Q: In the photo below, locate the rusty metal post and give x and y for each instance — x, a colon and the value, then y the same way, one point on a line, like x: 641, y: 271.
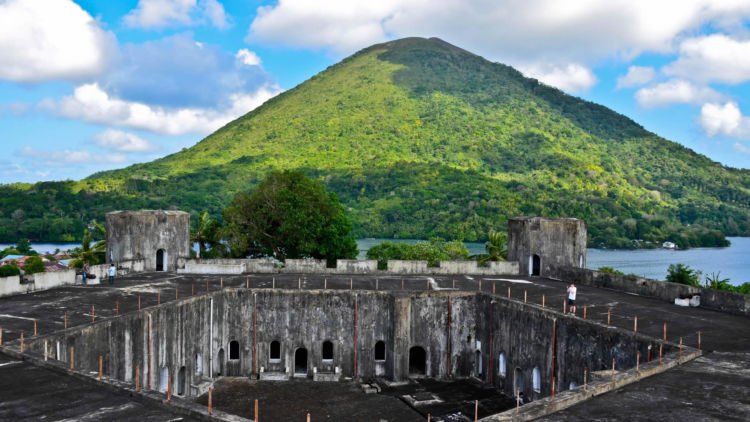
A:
x: 256, y: 418
x: 176, y: 293
x: 72, y: 358
x: 476, y: 410
x: 609, y: 316
x: 525, y: 296
x: 158, y: 298
x: 137, y: 384
x: 680, y: 355
x: 635, y: 324
x: 34, y: 328
x: 699, y: 340
x: 308, y: 417
x: 661, y: 346
x: 101, y: 367
x: 93, y: 313
x: 585, y: 378
x: 169, y: 387
x: 351, y: 284
x: 325, y: 284
x: 21, y: 341
x: 210, y: 400
x: 117, y: 307
x: 65, y: 320
x: 1, y: 336
x: 543, y: 301
x: 613, y: 369
x: 584, y: 311
x: 665, y: 331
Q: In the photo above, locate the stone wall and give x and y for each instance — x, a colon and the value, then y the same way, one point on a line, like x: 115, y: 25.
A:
x: 734, y: 303
x: 354, y: 266
x: 148, y: 235
x: 407, y: 267
x: 538, y: 243
x: 461, y: 334
x: 305, y: 266
x: 11, y: 286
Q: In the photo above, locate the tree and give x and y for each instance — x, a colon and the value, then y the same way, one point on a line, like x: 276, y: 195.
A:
x: 496, y: 245
x: 208, y: 237
x: 34, y: 265
x: 681, y: 273
x: 93, y: 254
x: 23, y: 246
x: 10, y: 269
x: 289, y: 216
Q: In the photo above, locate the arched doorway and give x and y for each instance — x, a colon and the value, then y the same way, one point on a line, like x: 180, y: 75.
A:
x: 536, y: 380
x: 417, y: 361
x: 478, y: 364
x: 535, y: 265
x: 300, y: 361
x: 163, y: 379
x: 160, y: 260
x: 221, y: 363
x: 518, y: 383
x: 234, y: 365
x: 181, y: 381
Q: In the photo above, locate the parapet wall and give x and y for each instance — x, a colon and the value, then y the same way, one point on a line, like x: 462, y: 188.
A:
x: 733, y: 303
x: 458, y: 334
x: 343, y: 266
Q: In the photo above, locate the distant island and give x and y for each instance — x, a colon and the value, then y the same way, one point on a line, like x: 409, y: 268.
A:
x: 421, y: 139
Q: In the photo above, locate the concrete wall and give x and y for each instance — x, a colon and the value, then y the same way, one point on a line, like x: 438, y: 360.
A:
x: 141, y: 234
x: 734, y: 303
x: 261, y: 266
x: 456, y: 330
x: 200, y: 268
x: 556, y: 241
x: 354, y: 266
x: 407, y: 267
x: 43, y: 281
x: 309, y: 266
x: 503, y: 267
x: 11, y: 285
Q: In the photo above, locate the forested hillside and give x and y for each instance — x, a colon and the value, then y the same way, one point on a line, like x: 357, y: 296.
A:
x: 419, y: 139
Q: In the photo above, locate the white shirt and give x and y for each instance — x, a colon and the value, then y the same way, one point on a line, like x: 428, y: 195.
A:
x: 112, y: 271
x: 572, y: 292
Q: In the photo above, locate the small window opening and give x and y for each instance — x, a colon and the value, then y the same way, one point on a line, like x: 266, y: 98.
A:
x: 417, y: 361
x: 501, y: 365
x: 468, y: 338
x: 275, y: 350
x: 380, y: 351
x: 327, y: 350
x: 234, y: 350
x: 198, y: 364
x: 537, y: 380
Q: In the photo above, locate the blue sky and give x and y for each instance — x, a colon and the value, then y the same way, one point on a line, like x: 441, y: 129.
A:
x: 92, y: 85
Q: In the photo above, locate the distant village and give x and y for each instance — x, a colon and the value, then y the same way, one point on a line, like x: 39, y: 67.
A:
x: 21, y: 259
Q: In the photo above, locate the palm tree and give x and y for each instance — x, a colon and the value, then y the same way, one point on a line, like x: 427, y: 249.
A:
x: 207, y: 236
x: 87, y: 253
x: 496, y: 247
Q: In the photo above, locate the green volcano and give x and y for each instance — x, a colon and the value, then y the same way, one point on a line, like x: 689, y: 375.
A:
x: 420, y: 138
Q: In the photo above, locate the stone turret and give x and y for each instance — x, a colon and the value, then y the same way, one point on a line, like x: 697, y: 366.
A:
x: 158, y: 237
x: 538, y: 242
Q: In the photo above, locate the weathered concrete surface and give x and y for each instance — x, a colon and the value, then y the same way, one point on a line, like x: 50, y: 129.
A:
x: 304, y: 266
x: 407, y: 267
x: 555, y: 241
x: 204, y: 268
x: 141, y: 235
x: 292, y: 400
x: 356, y: 266
x: 735, y: 303
x: 720, y: 332
x: 31, y: 393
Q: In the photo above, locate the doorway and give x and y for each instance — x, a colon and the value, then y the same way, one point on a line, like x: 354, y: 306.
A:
x: 417, y: 361
x: 536, y: 265
x: 300, y: 361
x: 181, y: 381
x: 160, y: 260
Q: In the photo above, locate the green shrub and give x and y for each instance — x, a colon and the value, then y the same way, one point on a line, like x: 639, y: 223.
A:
x: 610, y: 270
x: 8, y: 270
x: 682, y: 274
x: 34, y: 265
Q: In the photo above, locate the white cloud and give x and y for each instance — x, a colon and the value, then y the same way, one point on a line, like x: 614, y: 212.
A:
x: 676, y: 91
x: 46, y: 40
x: 636, y: 76
x: 91, y: 103
x: 570, y: 78
x: 248, y: 57
x: 170, y: 13
x: 117, y: 140
x: 712, y: 58
x: 542, y: 31
x: 742, y: 149
x: 67, y: 157
x: 725, y: 120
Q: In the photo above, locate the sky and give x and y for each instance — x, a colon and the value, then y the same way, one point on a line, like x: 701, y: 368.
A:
x: 91, y: 85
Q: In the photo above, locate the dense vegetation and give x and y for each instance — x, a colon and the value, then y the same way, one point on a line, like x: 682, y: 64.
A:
x: 289, y: 216
x: 683, y: 274
x: 421, y: 139
x: 434, y: 251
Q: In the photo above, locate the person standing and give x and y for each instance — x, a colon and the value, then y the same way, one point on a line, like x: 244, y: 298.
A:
x: 84, y: 272
x: 111, y: 272
x: 572, y: 291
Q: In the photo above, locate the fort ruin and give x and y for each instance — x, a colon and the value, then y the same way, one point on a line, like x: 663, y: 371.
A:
x: 505, y: 331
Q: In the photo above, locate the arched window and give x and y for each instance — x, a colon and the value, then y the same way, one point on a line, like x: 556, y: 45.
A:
x: 198, y: 364
x: 537, y: 380
x: 234, y: 350
x: 275, y: 352
x: 164, y: 379
x: 327, y: 350
x: 502, y: 366
x: 380, y: 351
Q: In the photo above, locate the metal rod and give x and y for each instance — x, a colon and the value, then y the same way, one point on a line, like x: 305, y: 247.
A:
x: 21, y: 341
x: 476, y: 410
x: 72, y: 358
x: 93, y: 314
x: 543, y: 301
x: 256, y: 418
x: 699, y: 340
x: 34, y: 328
x: 101, y: 367
x: 525, y: 296
x: 169, y: 387
x: 584, y: 311
x: 665, y: 330
x: 635, y: 324
x: 609, y: 316
x: 210, y: 401
x: 137, y: 384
